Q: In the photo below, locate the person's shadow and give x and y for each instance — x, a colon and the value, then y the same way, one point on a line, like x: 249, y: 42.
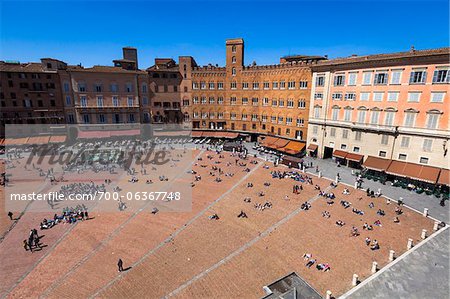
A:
x: 126, y: 269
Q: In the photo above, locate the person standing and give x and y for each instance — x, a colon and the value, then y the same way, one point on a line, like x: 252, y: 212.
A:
x: 120, y: 265
x: 10, y: 215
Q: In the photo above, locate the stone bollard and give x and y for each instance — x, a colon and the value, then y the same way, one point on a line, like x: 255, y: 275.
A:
x: 436, y: 226
x: 424, y: 234
x: 355, y: 280
x: 320, y: 174
x: 425, y: 212
x: 356, y: 185
x: 374, y: 267
x: 410, y: 244
x: 391, y: 255
x: 336, y: 180
x: 328, y: 295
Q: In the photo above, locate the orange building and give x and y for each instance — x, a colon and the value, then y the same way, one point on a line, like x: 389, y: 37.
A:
x: 391, y: 106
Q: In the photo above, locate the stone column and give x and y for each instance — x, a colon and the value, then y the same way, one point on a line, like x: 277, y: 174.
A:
x: 356, y: 185
x: 355, y: 280
x: 320, y: 174
x: 391, y: 255
x: 425, y: 212
x: 410, y: 244
x: 328, y: 296
x: 436, y: 226
x: 424, y: 234
x: 374, y: 267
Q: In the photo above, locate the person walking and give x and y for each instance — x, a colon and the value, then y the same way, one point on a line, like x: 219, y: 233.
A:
x: 10, y: 215
x: 120, y: 265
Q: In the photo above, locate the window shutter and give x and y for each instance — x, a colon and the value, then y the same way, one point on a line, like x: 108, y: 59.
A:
x: 424, y: 78
x: 411, y: 78
x: 435, y: 76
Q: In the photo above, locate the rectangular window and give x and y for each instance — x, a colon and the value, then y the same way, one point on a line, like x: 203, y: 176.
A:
x: 194, y: 85
x: 350, y: 96
x: 99, y: 101
x: 291, y: 85
x: 233, y: 101
x: 301, y: 104
x: 441, y: 76
x: 378, y: 96
x: 233, y: 85
x: 393, y: 96
x: 114, y: 87
x: 86, y: 118
x: 382, y: 154
x: 220, y: 100
x: 337, y: 96
x: 130, y: 101
x: 290, y: 103
x: 98, y: 87
x: 255, y: 101
x: 255, y: 85
x: 361, y: 116
x: 332, y: 132
x: 282, y: 84
x: 339, y: 80
x: 202, y: 85
x: 345, y: 134
x: 129, y: 87
x: 352, y: 79
x: 219, y: 85
x: 367, y: 78
x: 211, y: 85
x: 303, y: 84
x: 432, y: 121
x: 427, y: 145
x: 335, y: 114
x: 405, y: 142
x: 402, y: 157
x: 410, y: 119
x: 316, y: 112
x: 68, y: 101
x: 83, y: 101
x: 418, y: 77
x: 66, y: 87
x: 318, y: 96
x: 396, y: 77
x: 343, y: 146
x: 437, y: 97
x: 315, y: 130
x: 266, y: 85
x: 414, y: 97
x: 423, y: 160
x: 265, y: 101
x: 375, y: 117
x: 358, y: 135
x: 81, y: 87
x: 389, y: 118
x: 384, y: 139
x: 281, y: 103
x: 244, y: 101
x: 364, y: 96
x: 347, y: 115
x: 381, y: 78
x: 101, y: 118
x: 245, y: 85
x: 320, y: 80
x: 115, y: 101
x: 274, y: 85
x: 356, y: 149
x: 300, y: 122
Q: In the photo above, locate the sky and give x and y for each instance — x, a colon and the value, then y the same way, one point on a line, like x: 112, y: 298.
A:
x: 94, y: 32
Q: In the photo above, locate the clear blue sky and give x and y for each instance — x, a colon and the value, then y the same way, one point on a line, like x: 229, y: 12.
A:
x: 93, y: 32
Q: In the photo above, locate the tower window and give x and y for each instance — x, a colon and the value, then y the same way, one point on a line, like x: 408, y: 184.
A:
x: 233, y: 49
x: 233, y: 59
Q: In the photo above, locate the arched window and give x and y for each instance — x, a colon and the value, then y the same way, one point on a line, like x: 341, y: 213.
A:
x: 233, y: 59
x: 233, y: 49
x: 233, y: 71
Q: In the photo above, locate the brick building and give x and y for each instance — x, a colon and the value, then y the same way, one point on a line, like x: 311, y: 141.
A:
x: 268, y: 100
x: 30, y: 93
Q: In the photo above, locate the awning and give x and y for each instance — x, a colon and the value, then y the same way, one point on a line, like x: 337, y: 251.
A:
x: 231, y: 135
x: 375, y: 163
x: 16, y: 141
x: 294, y: 161
x: 94, y: 134
x: 354, y: 157
x: 269, y: 141
x: 280, y: 143
x: 293, y: 147
x: 2, y: 141
x: 444, y: 177
x: 196, y: 134
x: 414, y: 171
x: 38, y: 140
x: 312, y: 147
x: 57, y: 139
x: 340, y: 154
x: 125, y: 133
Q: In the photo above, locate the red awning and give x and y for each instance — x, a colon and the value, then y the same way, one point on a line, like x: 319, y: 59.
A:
x: 312, y: 147
x: 340, y: 154
x: 354, y: 157
x: 94, y: 134
x: 196, y: 134
x: 293, y: 148
x: 414, y: 171
x: 376, y: 163
x: 57, y: 139
x: 125, y: 133
x: 444, y: 177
